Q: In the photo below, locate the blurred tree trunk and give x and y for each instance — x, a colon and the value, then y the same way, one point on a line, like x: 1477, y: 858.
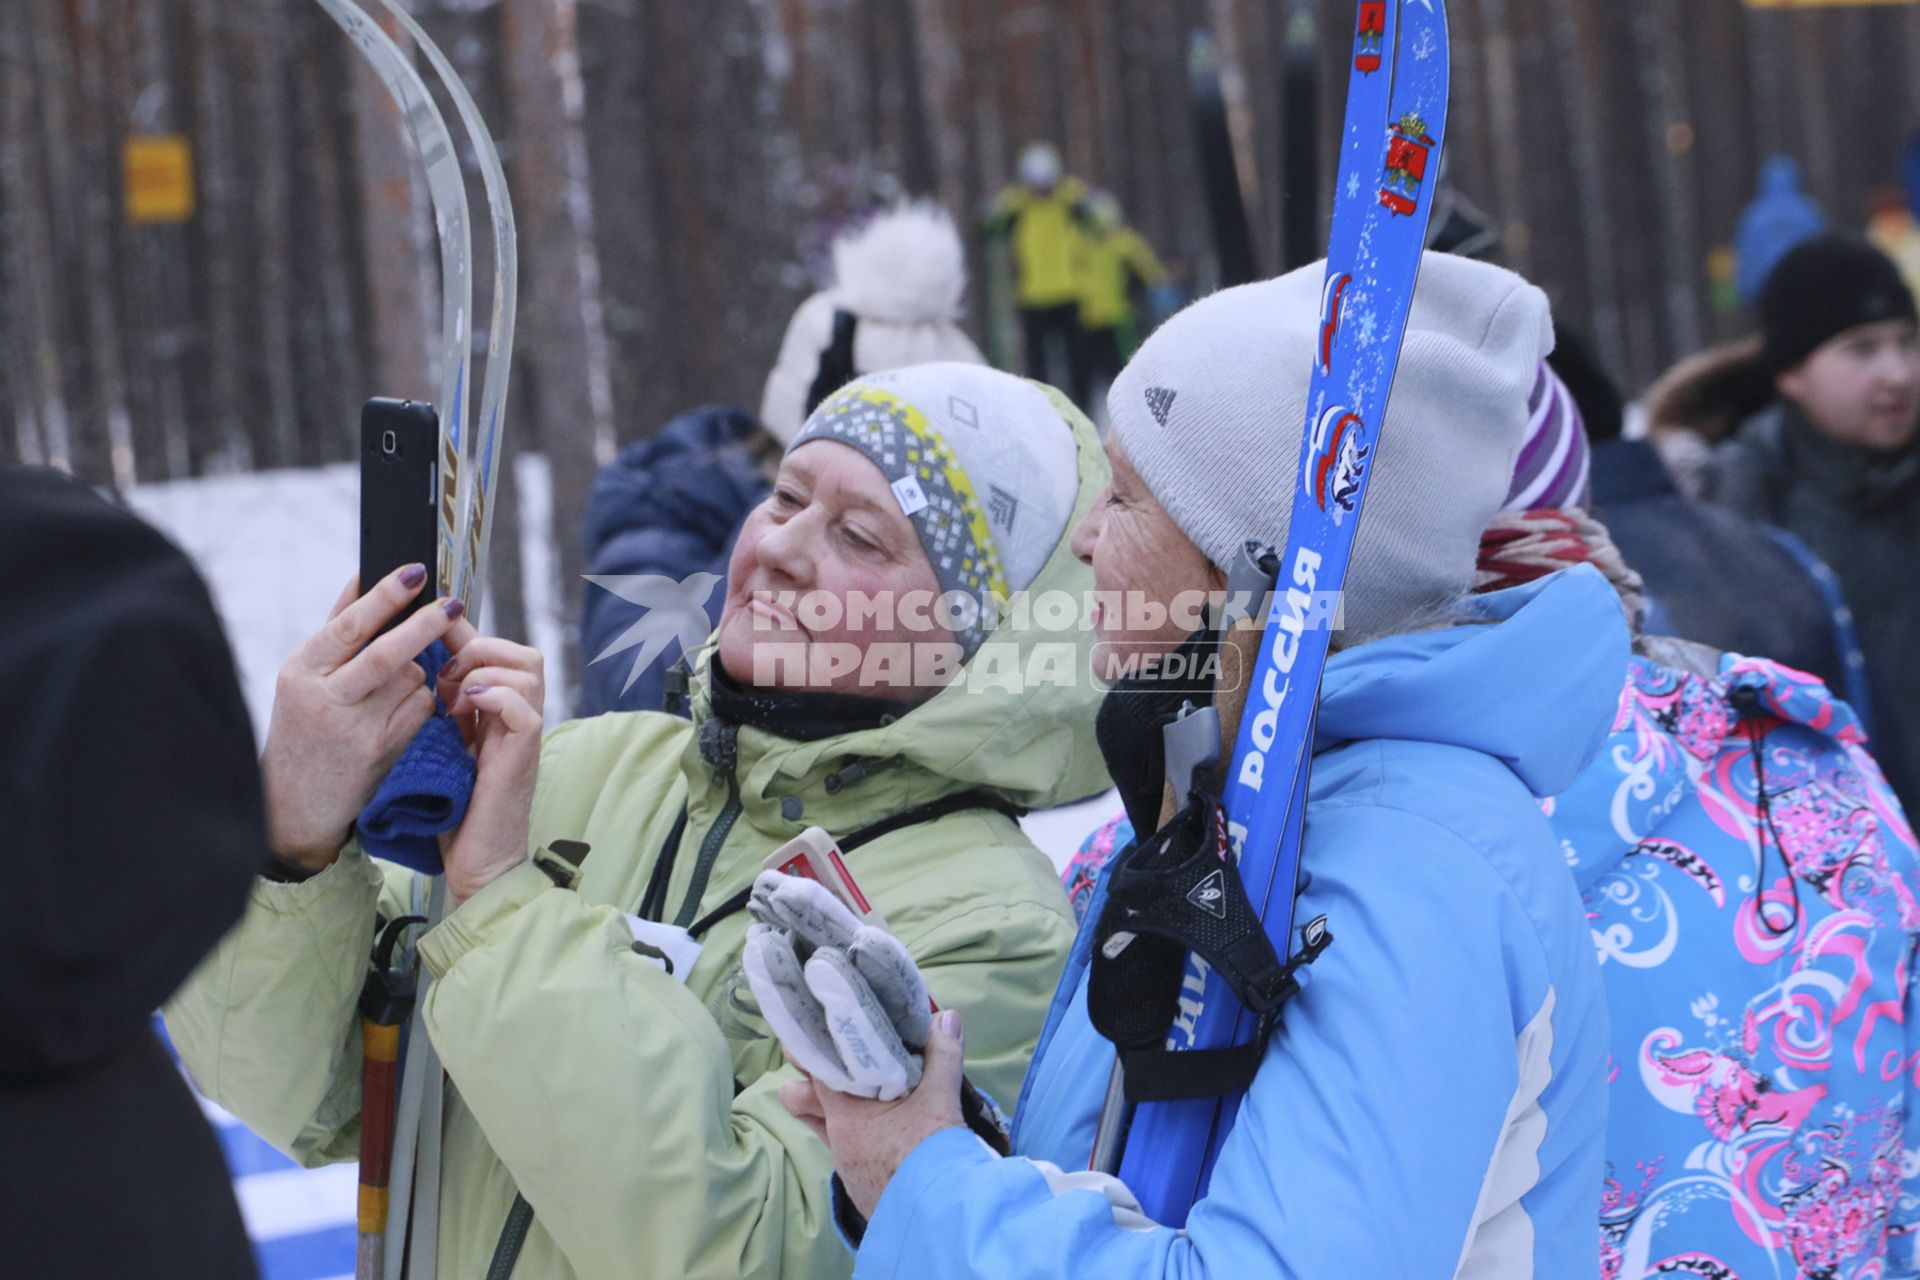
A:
x: 624, y: 141
x: 262, y: 48
x: 221, y: 245
x: 1620, y: 126
x: 30, y: 250
x: 1669, y: 142
x: 335, y: 320
x: 68, y: 377
x: 1724, y: 150
x: 397, y: 243
x: 1601, y: 298
x: 96, y: 137
x: 161, y: 346
x: 560, y: 297
x: 1507, y: 196
x: 16, y: 208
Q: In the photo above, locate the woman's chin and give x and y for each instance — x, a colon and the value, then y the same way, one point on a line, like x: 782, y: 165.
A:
x: 1110, y: 659
x: 735, y: 656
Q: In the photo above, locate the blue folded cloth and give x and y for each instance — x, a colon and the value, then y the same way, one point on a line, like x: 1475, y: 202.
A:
x: 426, y: 792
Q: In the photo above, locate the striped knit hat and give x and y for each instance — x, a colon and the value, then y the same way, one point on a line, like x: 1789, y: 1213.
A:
x: 1552, y: 469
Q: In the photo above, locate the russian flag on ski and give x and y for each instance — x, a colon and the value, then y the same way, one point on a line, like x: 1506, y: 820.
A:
x: 1395, y: 121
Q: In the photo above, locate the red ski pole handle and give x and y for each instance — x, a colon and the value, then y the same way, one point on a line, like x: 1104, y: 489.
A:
x: 379, y: 1089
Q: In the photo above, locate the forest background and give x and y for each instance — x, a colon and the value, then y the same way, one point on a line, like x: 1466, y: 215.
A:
x: 679, y: 165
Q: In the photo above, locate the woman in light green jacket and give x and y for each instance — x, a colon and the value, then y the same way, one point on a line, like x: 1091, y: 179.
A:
x: 632, y: 1113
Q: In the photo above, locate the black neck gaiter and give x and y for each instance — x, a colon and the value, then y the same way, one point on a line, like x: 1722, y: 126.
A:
x: 801, y: 716
x: 1128, y: 728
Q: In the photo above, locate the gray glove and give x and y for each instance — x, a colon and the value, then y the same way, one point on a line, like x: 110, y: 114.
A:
x: 845, y: 998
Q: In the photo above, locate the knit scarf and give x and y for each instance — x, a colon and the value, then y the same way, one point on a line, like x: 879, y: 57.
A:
x: 1521, y: 546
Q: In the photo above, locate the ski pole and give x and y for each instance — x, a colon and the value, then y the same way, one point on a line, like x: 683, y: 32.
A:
x: 386, y: 1000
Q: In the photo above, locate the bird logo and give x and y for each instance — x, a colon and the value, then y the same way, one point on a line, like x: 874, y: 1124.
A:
x: 671, y: 610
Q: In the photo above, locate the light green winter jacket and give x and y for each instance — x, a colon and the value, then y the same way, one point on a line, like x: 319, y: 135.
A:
x: 639, y: 1116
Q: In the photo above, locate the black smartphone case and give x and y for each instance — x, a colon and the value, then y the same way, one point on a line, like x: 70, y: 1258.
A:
x: 399, y: 493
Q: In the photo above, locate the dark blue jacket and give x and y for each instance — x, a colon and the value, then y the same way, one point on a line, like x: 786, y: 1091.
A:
x: 670, y: 505
x: 1721, y: 579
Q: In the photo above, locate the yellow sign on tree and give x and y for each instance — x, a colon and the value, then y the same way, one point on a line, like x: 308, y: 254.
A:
x: 158, y: 178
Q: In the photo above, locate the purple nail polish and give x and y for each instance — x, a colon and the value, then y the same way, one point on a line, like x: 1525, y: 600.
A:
x: 475, y: 690
x: 454, y: 608
x: 413, y: 575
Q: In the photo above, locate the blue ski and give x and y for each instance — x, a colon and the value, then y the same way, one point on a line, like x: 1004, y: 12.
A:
x: 1395, y: 119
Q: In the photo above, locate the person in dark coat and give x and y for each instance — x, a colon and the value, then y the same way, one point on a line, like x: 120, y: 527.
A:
x: 669, y: 506
x: 125, y: 734
x: 1828, y: 449
x: 1704, y: 567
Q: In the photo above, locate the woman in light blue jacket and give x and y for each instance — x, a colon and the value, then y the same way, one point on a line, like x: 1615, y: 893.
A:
x: 1433, y: 1104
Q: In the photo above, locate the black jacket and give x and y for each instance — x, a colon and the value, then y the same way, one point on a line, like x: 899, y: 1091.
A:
x: 131, y: 805
x: 1711, y: 570
x: 1859, y: 511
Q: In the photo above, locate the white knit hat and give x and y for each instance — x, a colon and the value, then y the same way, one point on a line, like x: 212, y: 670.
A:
x: 903, y: 277
x: 1211, y: 409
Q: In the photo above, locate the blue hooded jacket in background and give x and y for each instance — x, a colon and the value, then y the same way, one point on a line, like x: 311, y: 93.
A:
x: 1435, y: 1101
x: 1780, y: 217
x: 670, y: 505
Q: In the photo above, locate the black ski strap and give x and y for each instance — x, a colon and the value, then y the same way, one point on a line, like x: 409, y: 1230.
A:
x: 386, y: 997
x: 1176, y: 892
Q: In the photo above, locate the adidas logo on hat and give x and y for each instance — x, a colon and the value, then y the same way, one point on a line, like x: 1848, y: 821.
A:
x: 1159, y: 403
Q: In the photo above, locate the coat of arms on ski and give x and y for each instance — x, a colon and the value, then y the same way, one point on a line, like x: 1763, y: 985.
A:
x: 1196, y: 951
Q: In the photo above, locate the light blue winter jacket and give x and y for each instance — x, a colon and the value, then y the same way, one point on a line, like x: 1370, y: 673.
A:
x: 1435, y: 1104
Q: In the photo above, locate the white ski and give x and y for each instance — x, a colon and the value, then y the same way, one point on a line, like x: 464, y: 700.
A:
x: 480, y: 459
x: 447, y: 188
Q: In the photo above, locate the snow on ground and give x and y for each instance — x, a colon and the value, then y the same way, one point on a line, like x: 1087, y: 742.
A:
x: 277, y: 546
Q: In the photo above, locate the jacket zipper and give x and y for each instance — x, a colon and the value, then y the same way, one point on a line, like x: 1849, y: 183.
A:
x: 719, y: 746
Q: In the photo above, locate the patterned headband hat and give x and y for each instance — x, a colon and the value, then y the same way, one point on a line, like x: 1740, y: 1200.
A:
x: 981, y: 463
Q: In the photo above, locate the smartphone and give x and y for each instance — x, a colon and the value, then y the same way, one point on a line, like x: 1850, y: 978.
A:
x: 399, y: 494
